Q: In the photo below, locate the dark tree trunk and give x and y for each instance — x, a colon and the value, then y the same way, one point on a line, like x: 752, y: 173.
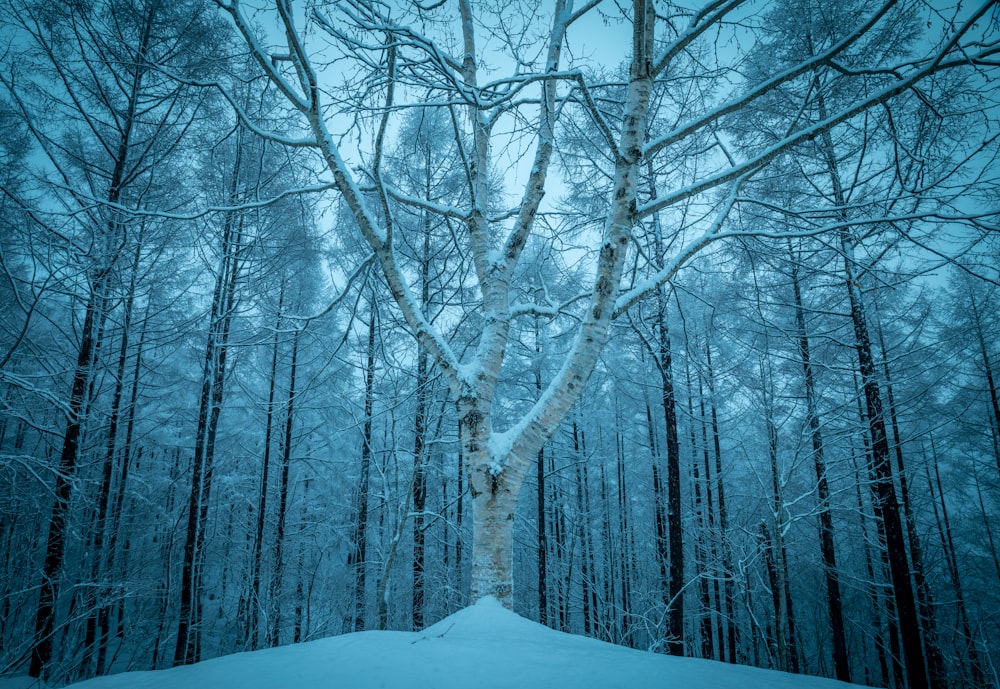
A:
x: 559, y: 536
x: 627, y: 539
x: 98, y: 623
x: 662, y: 546
x: 188, y: 648
x: 977, y: 669
x: 357, y: 559
x: 704, y: 605
x: 714, y: 609
x: 729, y: 597
x: 774, y: 546
x: 884, y: 500
x: 118, y: 561
x: 990, y: 383
x: 55, y: 543
x: 675, y: 538
x: 608, y: 579
x: 41, y: 652
x: 925, y: 604
x: 835, y: 609
x: 274, y: 633
x: 542, y: 546
x: 890, y: 640
x: 588, y: 591
x: 777, y: 635
x: 254, y: 601
x: 419, y: 496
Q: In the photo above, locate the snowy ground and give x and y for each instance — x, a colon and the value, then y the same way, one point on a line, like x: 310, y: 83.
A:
x: 481, y: 647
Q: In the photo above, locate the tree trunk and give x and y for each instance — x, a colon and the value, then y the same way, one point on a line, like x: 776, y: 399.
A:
x: 729, y: 602
x: 627, y: 538
x: 96, y: 636
x: 419, y: 428
x: 661, y: 543
x: 835, y: 609
x: 675, y: 538
x: 274, y: 634
x: 925, y: 604
x: 254, y: 601
x: 990, y: 383
x: 419, y: 497
x: 542, y: 545
x: 977, y: 669
x: 588, y: 591
x: 493, y: 540
x: 188, y: 649
x: 714, y: 609
x: 55, y: 544
x: 357, y: 559
x: 884, y: 498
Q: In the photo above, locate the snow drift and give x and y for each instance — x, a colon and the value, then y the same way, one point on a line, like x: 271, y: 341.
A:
x: 484, y: 646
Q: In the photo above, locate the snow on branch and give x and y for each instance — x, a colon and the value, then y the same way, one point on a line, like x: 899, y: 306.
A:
x: 794, y: 139
x: 685, y: 130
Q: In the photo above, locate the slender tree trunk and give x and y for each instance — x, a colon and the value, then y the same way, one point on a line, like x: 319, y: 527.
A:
x: 625, y: 529
x: 607, y: 564
x: 187, y: 650
x: 876, y: 607
x: 357, y: 560
x: 274, y: 633
x: 714, y: 609
x: 675, y: 538
x: 986, y: 523
x: 704, y: 605
x: 557, y: 517
x: 975, y: 664
x: 884, y: 498
x: 96, y: 636
x: 828, y: 551
x: 588, y: 593
x: 419, y: 429
x: 460, y: 490
x: 118, y: 561
x: 254, y: 599
x: 925, y: 604
x: 55, y: 544
x: 419, y: 497
x: 890, y: 640
x: 542, y: 547
x: 990, y: 383
x: 788, y: 657
x: 770, y: 537
x: 662, y: 546
x: 729, y: 598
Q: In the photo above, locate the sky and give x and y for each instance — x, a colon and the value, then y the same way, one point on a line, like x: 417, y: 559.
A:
x: 484, y: 646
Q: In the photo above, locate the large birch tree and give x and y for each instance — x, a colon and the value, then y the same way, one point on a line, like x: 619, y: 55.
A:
x: 368, y: 63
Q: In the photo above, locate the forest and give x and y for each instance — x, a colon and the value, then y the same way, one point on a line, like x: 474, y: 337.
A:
x: 671, y: 324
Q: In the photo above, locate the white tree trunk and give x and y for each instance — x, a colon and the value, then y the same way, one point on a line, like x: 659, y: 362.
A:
x: 493, y: 543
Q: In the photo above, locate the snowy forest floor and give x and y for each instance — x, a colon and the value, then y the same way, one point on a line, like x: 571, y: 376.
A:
x: 483, y: 646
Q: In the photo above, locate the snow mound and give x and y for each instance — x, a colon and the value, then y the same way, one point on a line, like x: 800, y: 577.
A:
x: 484, y: 646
